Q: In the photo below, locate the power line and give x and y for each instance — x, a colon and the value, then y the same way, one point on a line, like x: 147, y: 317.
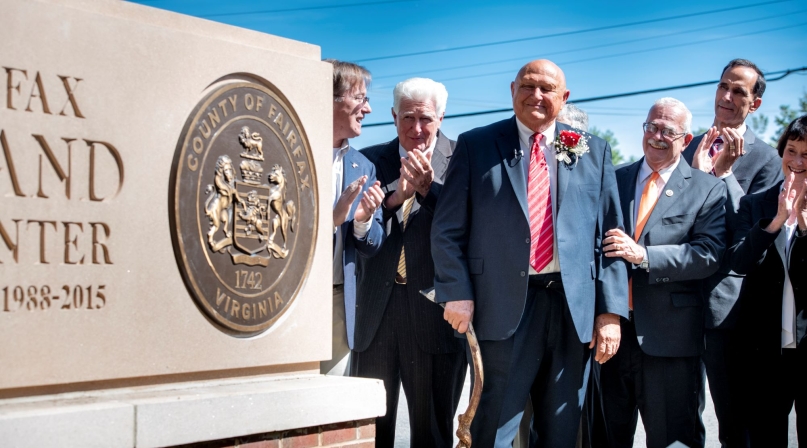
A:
x: 642, y: 39
x: 783, y: 74
x: 568, y: 33
x: 577, y: 61
x: 309, y: 8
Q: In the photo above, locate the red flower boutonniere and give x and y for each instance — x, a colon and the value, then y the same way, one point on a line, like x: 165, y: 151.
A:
x: 569, y: 147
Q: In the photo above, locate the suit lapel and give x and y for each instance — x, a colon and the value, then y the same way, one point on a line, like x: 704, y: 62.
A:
x: 441, y: 156
x: 563, y: 173
x: 350, y: 169
x: 749, y: 139
x: 678, y: 183
x: 626, y: 182
x: 389, y: 168
x: 512, y: 158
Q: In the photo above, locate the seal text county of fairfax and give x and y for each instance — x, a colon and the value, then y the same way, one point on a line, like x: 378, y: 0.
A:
x: 244, y: 206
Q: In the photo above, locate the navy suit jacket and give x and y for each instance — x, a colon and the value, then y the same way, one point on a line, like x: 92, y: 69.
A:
x: 759, y: 169
x: 685, y: 238
x: 481, y: 233
x: 355, y: 165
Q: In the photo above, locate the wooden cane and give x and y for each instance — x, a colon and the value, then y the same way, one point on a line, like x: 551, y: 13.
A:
x: 465, y: 419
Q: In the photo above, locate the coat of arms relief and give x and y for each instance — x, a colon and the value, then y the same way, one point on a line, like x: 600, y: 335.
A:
x: 248, y: 213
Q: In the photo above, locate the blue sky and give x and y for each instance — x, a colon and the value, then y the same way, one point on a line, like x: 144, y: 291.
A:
x: 649, y: 54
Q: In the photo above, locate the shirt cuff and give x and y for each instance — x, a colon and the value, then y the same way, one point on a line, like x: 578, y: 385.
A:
x: 360, y: 229
x: 726, y: 175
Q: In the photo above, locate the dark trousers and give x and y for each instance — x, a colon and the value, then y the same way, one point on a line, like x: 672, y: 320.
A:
x: 544, y: 360
x: 774, y: 382
x: 722, y: 368
x: 665, y: 391
x: 432, y: 383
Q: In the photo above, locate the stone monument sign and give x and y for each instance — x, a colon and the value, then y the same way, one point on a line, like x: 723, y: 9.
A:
x: 161, y: 224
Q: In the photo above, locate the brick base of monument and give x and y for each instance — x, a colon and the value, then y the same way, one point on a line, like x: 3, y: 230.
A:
x: 357, y: 434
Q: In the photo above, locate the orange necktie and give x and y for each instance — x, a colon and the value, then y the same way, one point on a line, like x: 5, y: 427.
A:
x: 646, y: 204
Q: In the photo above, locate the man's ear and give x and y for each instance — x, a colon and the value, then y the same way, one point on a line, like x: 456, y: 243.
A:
x: 394, y: 117
x: 755, y: 105
x: 687, y: 139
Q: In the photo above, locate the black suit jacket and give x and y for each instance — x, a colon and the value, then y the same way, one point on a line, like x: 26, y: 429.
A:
x: 685, y: 240
x: 754, y: 254
x: 759, y: 169
x: 376, y: 275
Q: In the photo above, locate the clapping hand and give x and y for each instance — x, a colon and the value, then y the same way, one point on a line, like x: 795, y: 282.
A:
x: 370, y: 201
x: 787, y: 199
x: 733, y: 148
x: 417, y: 170
x: 342, y: 208
x: 404, y: 191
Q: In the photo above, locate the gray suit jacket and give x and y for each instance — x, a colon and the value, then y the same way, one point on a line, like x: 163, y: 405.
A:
x: 759, y: 169
x: 685, y: 237
x: 481, y: 233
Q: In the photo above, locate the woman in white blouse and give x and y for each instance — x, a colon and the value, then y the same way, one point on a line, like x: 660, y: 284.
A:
x: 770, y: 248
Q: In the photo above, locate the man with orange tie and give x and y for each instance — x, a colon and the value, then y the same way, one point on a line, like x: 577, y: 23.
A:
x: 674, y: 237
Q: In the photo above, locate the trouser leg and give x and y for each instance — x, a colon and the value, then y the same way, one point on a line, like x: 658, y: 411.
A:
x: 339, y: 364
x: 669, y: 398
x: 721, y: 372
x: 559, y: 389
x: 381, y: 361
x: 617, y: 382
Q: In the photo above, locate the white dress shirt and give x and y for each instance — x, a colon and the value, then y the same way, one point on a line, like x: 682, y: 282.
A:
x: 784, y: 244
x: 525, y: 141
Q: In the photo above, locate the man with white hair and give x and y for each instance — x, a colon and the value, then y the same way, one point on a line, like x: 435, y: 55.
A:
x: 574, y: 117
x: 674, y: 237
x: 401, y: 338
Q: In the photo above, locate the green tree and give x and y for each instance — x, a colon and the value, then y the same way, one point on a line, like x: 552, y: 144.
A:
x: 608, y: 136
x: 786, y: 115
x: 758, y: 124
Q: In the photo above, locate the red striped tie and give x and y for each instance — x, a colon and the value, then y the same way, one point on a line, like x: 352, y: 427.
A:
x: 540, y: 207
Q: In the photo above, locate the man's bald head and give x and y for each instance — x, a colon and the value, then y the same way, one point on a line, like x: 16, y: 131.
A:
x: 539, y: 93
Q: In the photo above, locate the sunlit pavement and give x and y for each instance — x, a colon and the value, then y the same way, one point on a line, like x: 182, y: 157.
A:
x: 709, y: 420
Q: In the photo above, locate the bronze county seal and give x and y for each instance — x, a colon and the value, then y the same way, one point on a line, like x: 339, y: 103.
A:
x: 243, y: 205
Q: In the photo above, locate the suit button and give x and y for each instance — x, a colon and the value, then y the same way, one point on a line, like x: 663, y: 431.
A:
x: 523, y: 274
x: 665, y: 279
x: 386, y: 284
x: 658, y: 280
x: 370, y: 241
x: 528, y: 241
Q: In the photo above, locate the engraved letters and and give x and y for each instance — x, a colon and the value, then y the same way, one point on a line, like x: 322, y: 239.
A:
x: 243, y: 205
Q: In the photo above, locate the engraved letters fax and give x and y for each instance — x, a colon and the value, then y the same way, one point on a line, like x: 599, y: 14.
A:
x: 243, y: 205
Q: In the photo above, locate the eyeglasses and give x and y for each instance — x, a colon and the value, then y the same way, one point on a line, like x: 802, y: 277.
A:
x: 361, y: 99
x: 667, y: 133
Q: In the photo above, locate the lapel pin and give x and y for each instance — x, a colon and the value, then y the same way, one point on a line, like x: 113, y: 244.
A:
x: 668, y: 192
x: 356, y: 166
